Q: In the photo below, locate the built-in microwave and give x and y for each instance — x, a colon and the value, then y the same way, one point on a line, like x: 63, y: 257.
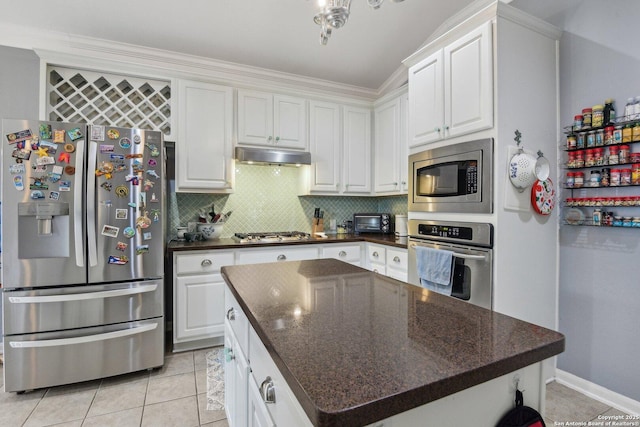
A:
x: 454, y: 178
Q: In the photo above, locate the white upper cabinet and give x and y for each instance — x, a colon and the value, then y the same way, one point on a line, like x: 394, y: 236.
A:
x: 266, y: 119
x: 451, y: 90
x: 356, y: 140
x: 204, y: 162
x: 391, y: 147
x: 324, y: 144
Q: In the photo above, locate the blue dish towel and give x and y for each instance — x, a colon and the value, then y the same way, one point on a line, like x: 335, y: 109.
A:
x: 435, y: 269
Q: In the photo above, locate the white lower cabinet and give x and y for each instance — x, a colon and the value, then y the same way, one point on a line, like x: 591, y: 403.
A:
x: 198, y: 298
x: 280, y: 253
x: 387, y: 260
x: 351, y: 253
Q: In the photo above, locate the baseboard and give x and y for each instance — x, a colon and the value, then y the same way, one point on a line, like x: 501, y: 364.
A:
x: 604, y: 395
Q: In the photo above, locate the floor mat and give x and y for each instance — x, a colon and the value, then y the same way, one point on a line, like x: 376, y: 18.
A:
x: 215, y: 380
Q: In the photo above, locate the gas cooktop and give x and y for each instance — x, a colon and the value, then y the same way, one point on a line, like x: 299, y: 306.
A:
x: 271, y: 237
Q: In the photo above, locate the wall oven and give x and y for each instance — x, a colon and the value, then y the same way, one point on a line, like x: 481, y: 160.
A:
x: 472, y: 247
x: 455, y: 178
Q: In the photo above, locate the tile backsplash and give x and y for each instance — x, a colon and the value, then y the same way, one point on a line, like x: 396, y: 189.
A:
x: 266, y: 198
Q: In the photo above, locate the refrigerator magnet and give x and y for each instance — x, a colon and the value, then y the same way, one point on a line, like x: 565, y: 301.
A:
x: 155, y: 214
x: 152, y: 162
x: 137, y: 139
x: 104, y: 149
x: 125, y: 143
x: 154, y: 152
x: 148, y: 184
x: 121, y: 246
x: 69, y: 147
x: 110, y: 230
x: 113, y: 134
x: 18, y: 183
x: 37, y: 194
x: 146, y: 235
x: 54, y: 195
x: 17, y: 168
x: 41, y: 151
x: 45, y: 131
x: 21, y: 155
x: 106, y: 185
x: 143, y: 221
x: 69, y: 170
x: 122, y: 213
x: 97, y: 133
x: 142, y: 249
x: 38, y: 184
x: 118, y: 260
x: 58, y: 136
x: 64, y: 186
x: 152, y: 173
x: 43, y: 161
x: 64, y: 157
x: 52, y: 148
x: 154, y: 199
x: 22, y: 135
x: 74, y: 134
x: 129, y: 232
x: 122, y: 191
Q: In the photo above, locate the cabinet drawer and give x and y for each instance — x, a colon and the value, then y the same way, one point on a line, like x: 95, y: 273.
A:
x: 202, y: 262
x: 249, y: 256
x: 378, y: 268
x: 376, y: 254
x: 347, y: 253
x: 236, y: 320
x: 397, y: 258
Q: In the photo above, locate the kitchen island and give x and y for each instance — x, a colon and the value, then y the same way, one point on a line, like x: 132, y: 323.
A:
x: 352, y: 347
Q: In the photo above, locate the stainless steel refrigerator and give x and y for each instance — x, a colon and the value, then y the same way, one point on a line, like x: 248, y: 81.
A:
x: 83, y: 252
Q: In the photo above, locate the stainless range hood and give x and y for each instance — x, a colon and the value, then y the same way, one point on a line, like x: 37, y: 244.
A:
x: 268, y: 156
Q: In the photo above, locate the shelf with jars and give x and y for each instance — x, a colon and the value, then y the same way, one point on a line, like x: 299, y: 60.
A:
x: 602, y: 158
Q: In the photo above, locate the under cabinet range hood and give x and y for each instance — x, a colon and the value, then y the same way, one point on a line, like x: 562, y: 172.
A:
x: 263, y: 156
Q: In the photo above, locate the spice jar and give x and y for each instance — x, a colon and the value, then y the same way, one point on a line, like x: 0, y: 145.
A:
x: 571, y: 162
x: 599, y: 156
x: 625, y: 176
x: 608, y: 135
x: 635, y: 132
x: 635, y: 157
x: 617, y: 134
x: 579, y: 163
x: 571, y: 142
x: 597, y: 118
x: 614, y: 179
x: 600, y: 137
x: 590, y: 158
x: 581, y: 140
x: 623, y: 156
x: 613, y: 158
x: 606, y: 175
x: 577, y: 122
x: 586, y: 117
x: 594, y: 180
x: 571, y: 179
x: 597, y: 216
x: 627, y: 133
x: 591, y: 139
x: 578, y: 180
x: 635, y: 174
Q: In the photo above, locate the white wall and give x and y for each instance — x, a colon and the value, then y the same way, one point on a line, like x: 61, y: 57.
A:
x: 599, y: 301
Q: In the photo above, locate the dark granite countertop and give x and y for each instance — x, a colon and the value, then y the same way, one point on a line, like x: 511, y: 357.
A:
x: 228, y: 243
x: 356, y: 347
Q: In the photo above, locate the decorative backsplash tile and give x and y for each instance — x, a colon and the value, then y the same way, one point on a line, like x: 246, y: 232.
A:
x: 266, y: 198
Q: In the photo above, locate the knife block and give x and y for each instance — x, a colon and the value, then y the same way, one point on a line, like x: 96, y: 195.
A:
x: 317, y: 225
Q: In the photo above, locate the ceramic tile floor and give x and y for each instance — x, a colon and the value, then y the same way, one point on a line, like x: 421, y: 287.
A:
x: 176, y: 396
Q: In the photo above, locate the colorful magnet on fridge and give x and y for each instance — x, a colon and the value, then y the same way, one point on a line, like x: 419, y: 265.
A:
x: 134, y: 156
x: 143, y: 221
x: 21, y: 154
x: 152, y: 162
x: 121, y: 246
x: 122, y: 213
x: 104, y: 149
x: 122, y: 191
x: 155, y: 214
x: 97, y: 133
x: 64, y: 157
x: 42, y: 151
x: 129, y: 232
x: 110, y: 231
x: 74, y: 134
x: 58, y: 136
x: 146, y: 235
x: 125, y: 143
x: 64, y: 186
x: 18, y: 183
x: 132, y: 205
x: 114, y: 156
x: 118, y: 260
x: 38, y: 184
x: 45, y: 131
x: 154, y: 199
x: 17, y: 168
x: 22, y: 135
x: 148, y: 184
x: 69, y: 170
x: 154, y: 152
x: 113, y: 134
x: 137, y: 139
x: 152, y: 173
x: 41, y: 161
x: 142, y: 249
x: 54, y: 195
x: 69, y: 148
x: 52, y: 148
x: 107, y: 204
x: 106, y: 185
x: 37, y: 194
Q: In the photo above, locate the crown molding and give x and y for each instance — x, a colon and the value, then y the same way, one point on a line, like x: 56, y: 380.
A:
x: 87, y: 52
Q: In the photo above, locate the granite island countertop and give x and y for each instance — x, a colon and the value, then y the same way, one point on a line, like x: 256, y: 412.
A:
x: 356, y: 347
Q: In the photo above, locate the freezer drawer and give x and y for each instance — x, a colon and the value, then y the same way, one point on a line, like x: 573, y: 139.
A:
x: 55, y: 358
x: 55, y: 309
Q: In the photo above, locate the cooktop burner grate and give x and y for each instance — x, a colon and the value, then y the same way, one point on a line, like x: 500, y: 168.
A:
x: 271, y: 237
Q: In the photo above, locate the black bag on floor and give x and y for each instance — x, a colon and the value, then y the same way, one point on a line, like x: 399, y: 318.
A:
x: 521, y: 416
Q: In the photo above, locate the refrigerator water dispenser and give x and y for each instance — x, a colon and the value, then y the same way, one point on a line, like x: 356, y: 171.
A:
x: 43, y: 230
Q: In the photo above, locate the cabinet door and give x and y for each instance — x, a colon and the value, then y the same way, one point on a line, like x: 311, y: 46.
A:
x: 324, y: 144
x: 426, y: 100
x: 255, y: 117
x: 356, y: 170
x: 387, y: 152
x: 258, y: 413
x: 290, y: 122
x: 403, y: 146
x: 199, y: 307
x: 203, y: 150
x: 230, y: 387
x: 468, y: 81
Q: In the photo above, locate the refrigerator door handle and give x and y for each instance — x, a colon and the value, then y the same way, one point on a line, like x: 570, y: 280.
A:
x: 83, y: 296
x: 83, y: 340
x: 91, y: 204
x: 77, y: 212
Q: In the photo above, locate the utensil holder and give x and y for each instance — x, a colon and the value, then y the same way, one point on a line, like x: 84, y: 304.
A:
x: 317, y: 225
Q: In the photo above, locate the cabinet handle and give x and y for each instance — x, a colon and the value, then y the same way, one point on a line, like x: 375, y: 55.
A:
x: 281, y: 257
x: 375, y: 254
x: 395, y: 184
x: 206, y: 262
x: 277, y: 138
x: 342, y: 254
x: 228, y: 354
x: 446, y: 128
x: 231, y: 314
x: 375, y: 270
x: 396, y: 259
x: 270, y: 138
x: 437, y: 130
x: 404, y: 183
x: 268, y: 391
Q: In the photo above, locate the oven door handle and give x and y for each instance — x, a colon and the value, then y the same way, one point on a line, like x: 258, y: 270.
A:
x: 461, y: 256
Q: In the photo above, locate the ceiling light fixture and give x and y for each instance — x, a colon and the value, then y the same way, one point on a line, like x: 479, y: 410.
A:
x: 334, y: 14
